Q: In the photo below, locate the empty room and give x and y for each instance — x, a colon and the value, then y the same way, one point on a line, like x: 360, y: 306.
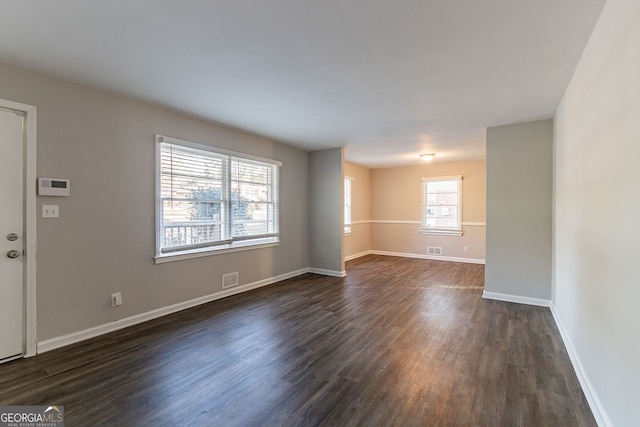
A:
x: 285, y: 213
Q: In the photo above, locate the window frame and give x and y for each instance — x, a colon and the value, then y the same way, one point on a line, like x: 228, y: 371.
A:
x: 455, y: 230
x: 348, y: 206
x: 229, y: 244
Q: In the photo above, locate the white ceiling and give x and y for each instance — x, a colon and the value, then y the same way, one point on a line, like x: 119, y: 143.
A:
x: 387, y: 79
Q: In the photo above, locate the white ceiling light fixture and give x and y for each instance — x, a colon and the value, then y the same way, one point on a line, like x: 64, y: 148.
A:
x: 427, y: 157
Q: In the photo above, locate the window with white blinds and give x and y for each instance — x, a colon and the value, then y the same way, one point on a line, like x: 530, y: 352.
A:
x: 348, y: 181
x: 442, y: 205
x: 212, y: 200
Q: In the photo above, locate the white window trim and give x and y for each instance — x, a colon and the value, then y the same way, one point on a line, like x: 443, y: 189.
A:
x: 348, y: 225
x: 441, y: 231
x: 227, y: 246
x: 215, y: 250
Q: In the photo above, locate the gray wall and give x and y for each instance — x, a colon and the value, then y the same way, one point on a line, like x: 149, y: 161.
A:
x: 326, y: 204
x: 597, y: 212
x: 519, y: 209
x: 103, y: 241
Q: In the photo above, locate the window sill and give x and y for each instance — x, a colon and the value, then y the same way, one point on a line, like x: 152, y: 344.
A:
x: 456, y: 233
x: 218, y: 250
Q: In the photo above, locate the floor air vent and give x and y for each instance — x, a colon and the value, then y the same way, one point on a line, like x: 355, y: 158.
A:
x: 229, y: 280
x: 434, y: 250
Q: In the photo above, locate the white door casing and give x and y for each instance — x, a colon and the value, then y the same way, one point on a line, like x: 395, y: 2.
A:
x: 17, y: 216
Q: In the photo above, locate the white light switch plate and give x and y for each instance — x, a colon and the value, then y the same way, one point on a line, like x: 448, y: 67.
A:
x: 50, y: 211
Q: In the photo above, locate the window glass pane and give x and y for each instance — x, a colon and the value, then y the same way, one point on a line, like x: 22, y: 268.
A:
x: 250, y: 219
x: 253, y: 198
x: 347, y: 205
x: 180, y: 228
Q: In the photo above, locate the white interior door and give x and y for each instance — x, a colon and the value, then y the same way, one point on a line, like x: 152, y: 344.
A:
x: 12, y: 241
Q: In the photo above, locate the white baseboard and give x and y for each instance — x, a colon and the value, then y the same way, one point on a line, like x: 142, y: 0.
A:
x: 516, y: 298
x: 433, y: 257
x: 354, y: 256
x: 592, y: 398
x: 333, y: 273
x: 75, y: 337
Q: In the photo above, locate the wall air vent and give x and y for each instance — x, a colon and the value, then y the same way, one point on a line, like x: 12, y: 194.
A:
x: 434, y: 250
x: 229, y: 280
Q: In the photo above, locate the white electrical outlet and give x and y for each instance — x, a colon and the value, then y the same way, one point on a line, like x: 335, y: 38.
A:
x: 116, y: 299
x: 50, y: 211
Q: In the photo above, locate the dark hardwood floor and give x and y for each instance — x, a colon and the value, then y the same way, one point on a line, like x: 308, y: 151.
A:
x: 399, y: 341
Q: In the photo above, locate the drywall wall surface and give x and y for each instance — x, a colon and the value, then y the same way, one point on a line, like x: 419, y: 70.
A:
x: 519, y: 209
x: 104, y: 240
x: 596, y: 279
x: 326, y: 210
x: 359, y: 241
x: 396, y: 210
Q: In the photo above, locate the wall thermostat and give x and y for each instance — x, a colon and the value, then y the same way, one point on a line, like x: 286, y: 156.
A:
x: 54, y: 187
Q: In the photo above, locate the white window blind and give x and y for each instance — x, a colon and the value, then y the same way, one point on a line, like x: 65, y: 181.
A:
x: 442, y: 205
x: 348, y: 181
x: 211, y: 199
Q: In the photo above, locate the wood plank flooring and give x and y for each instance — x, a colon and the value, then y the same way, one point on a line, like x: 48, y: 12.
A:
x: 398, y: 342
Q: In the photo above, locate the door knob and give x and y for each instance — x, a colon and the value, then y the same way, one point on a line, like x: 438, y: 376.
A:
x: 13, y: 253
